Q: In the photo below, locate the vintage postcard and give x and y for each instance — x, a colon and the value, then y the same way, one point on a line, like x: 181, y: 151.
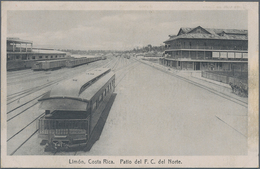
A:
x: 129, y: 84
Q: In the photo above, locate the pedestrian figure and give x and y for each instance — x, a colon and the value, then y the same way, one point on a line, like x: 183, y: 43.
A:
x: 232, y: 87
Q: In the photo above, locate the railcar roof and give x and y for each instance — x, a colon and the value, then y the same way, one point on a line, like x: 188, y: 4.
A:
x: 72, y: 87
x: 92, y: 90
x: 47, y: 61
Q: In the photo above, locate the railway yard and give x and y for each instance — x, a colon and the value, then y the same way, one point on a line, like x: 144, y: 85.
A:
x: 156, y: 111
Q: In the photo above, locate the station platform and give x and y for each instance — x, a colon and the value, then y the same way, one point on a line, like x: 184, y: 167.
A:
x: 196, y: 77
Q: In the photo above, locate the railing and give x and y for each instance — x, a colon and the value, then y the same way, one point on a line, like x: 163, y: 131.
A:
x: 62, y: 126
x: 19, y: 50
x: 208, y: 47
x: 205, y: 58
x: 225, y: 78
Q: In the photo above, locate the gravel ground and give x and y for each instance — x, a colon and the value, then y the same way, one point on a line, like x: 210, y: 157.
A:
x: 155, y: 114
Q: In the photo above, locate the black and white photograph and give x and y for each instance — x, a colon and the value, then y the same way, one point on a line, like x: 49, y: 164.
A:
x: 129, y: 84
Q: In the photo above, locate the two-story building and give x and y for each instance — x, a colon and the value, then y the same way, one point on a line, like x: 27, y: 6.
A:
x: 207, y: 49
x: 21, y: 54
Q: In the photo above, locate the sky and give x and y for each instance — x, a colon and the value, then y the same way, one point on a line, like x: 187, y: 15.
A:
x: 112, y: 30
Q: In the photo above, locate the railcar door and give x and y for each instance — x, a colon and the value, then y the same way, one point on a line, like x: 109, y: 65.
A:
x: 89, y: 122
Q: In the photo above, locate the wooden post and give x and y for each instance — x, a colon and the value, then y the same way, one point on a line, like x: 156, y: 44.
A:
x: 241, y: 69
x: 233, y: 71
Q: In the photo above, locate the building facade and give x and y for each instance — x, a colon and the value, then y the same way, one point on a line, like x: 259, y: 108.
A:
x: 21, y: 54
x: 18, y: 49
x: 207, y: 49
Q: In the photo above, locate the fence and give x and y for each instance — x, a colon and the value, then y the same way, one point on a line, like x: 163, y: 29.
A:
x: 223, y: 78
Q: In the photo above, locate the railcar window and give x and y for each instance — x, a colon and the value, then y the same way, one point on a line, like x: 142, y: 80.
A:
x: 46, y: 56
x: 94, y: 106
x: 101, y: 97
x: 97, y: 104
x: 40, y: 57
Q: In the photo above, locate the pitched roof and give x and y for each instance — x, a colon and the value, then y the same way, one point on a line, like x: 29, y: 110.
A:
x: 225, y: 34
x: 17, y: 40
x: 39, y: 51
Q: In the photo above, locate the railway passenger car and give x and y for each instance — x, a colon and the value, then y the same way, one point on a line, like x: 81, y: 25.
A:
x: 80, y: 61
x: 73, y: 109
x: 49, y: 64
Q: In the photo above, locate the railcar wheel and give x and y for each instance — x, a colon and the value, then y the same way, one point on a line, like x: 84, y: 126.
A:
x: 49, y: 148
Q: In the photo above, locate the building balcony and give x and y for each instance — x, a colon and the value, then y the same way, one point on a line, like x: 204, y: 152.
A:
x: 17, y: 50
x: 208, y: 48
x: 207, y: 59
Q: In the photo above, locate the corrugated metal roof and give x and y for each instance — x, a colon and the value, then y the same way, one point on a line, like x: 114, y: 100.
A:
x: 10, y: 39
x: 208, y: 36
x: 185, y: 30
x: 228, y: 34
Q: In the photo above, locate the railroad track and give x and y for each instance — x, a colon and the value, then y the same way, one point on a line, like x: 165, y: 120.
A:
x: 125, y: 72
x: 14, y: 96
x: 117, y: 62
x: 216, y: 92
x: 121, y: 66
x: 28, y: 73
x: 28, y: 127
x: 15, y: 73
x: 19, y: 95
x: 26, y: 109
x: 120, y: 75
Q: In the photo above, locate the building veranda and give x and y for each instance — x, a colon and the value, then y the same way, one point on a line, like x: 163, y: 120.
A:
x: 207, y: 49
x: 221, y: 51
